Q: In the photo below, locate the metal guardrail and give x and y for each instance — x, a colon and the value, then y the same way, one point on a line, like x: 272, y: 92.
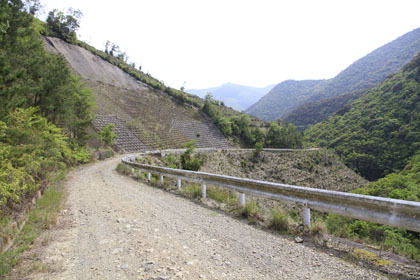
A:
x: 399, y: 213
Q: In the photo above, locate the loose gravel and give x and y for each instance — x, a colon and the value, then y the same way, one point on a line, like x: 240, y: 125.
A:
x: 113, y: 227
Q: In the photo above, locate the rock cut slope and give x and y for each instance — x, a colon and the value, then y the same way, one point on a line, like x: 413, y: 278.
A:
x: 148, y: 113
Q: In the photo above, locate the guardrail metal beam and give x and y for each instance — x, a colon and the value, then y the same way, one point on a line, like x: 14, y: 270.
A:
x: 393, y: 212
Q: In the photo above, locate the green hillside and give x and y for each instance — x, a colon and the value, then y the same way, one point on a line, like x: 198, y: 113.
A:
x: 314, y: 112
x: 381, y: 130
x: 363, y: 74
x: 283, y: 98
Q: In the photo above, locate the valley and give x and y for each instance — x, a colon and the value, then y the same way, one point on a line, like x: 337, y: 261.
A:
x: 69, y: 112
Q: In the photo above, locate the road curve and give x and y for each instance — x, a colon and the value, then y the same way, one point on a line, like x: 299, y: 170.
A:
x: 113, y: 227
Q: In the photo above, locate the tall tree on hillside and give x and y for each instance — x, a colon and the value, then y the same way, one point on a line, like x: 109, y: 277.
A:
x: 32, y: 77
x: 64, y: 26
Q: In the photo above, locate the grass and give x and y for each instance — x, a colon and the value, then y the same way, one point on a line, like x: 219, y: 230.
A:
x: 222, y: 195
x: 249, y: 210
x: 192, y: 190
x: 123, y: 169
x: 279, y: 220
x: 42, y: 217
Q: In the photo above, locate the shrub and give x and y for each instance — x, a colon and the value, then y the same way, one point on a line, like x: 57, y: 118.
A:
x: 171, y: 161
x: 188, y: 162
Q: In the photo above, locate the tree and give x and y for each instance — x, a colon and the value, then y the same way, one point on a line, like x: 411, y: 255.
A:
x: 33, y: 6
x: 188, y: 162
x: 107, y: 134
x: 63, y: 25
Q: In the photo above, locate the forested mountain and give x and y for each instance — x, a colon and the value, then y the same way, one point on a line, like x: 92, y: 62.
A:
x: 314, y: 112
x: 283, y: 98
x: 363, y: 74
x: 239, y: 97
x: 381, y: 130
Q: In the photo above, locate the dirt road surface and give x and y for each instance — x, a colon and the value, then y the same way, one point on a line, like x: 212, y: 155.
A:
x: 113, y: 227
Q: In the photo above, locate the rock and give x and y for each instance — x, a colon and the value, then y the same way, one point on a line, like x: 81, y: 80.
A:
x: 120, y: 220
x: 298, y: 240
x: 124, y: 266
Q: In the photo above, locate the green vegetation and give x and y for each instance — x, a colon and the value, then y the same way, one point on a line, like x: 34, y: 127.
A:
x: 283, y: 136
x: 294, y: 98
x: 378, y: 136
x: 189, y: 162
x: 222, y: 195
x: 279, y: 220
x: 107, y: 134
x: 42, y: 217
x: 123, y: 169
x: 311, y: 113
x: 381, y: 130
x: 192, y: 190
x: 404, y: 185
x: 397, y: 240
x: 249, y: 210
x: 278, y: 102
x: 240, y: 128
x: 63, y: 25
x: 44, y: 110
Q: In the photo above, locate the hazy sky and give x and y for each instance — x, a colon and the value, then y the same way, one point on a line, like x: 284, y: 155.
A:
x: 256, y: 43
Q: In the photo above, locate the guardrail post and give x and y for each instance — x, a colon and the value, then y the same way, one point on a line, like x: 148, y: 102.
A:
x: 148, y: 176
x: 306, y: 216
x: 179, y: 184
x: 242, y: 199
x: 203, y: 191
x: 132, y: 171
x: 161, y: 179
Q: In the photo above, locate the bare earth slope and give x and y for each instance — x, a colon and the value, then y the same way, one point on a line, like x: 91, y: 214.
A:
x: 116, y: 228
x: 152, y: 115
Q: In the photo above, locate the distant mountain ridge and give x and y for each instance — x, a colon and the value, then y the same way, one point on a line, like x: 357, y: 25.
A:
x: 362, y: 75
x: 239, y: 97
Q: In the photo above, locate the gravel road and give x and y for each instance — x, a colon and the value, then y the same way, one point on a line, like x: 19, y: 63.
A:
x: 113, y: 227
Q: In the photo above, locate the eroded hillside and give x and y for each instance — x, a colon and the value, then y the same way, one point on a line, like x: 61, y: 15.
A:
x: 154, y: 117
x: 320, y: 169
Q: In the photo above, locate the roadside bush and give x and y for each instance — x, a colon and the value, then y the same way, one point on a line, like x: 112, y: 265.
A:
x: 171, y: 161
x: 188, y: 162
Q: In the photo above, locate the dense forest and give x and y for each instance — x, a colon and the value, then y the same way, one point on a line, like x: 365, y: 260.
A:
x: 283, y: 98
x: 381, y: 130
x: 44, y: 109
x: 360, y: 76
x: 314, y: 112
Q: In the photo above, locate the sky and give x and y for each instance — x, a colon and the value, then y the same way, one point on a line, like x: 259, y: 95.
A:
x: 205, y: 43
